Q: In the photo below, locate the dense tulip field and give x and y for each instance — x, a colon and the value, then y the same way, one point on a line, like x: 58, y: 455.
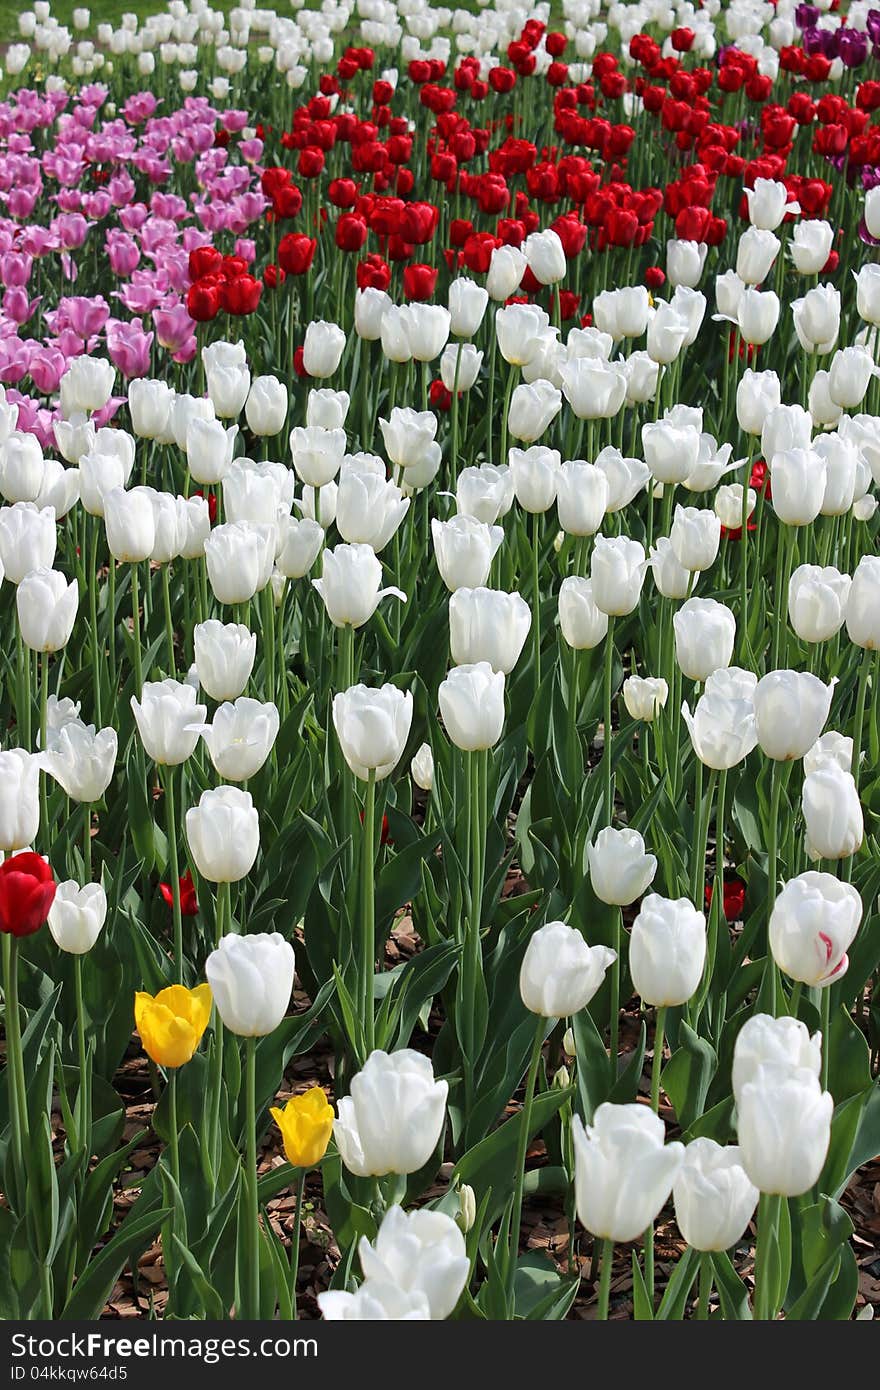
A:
x: 439, y: 787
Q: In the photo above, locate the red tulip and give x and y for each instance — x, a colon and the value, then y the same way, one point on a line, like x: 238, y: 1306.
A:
x: 27, y: 890
x: 203, y: 301
x: 296, y: 251
x: 734, y: 898
x: 205, y: 260
x: 419, y: 281
x: 188, y: 902
x: 241, y: 295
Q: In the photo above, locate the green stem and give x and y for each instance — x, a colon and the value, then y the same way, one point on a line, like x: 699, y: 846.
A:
x: 295, y: 1237
x: 536, y: 596
x: 136, y: 634
x: 173, y: 1142
x: 522, y: 1149
x: 657, y: 1063
x: 768, y: 1217
x: 705, y: 1285
x: 252, y: 1272
x: 169, y: 622
x: 614, y: 1028
x: 368, y: 912
x: 44, y: 706
x: 607, y: 1258
x: 607, y: 768
x: 171, y: 828
x: 84, y: 1117
x: 825, y: 1013
x: 15, y: 1063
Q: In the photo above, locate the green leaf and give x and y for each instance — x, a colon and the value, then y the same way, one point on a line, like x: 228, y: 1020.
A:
x: 688, y: 1074
x: 490, y: 1162
x: 91, y: 1289
x: 732, y: 1292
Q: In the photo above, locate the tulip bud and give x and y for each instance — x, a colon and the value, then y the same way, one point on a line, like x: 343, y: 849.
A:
x: 790, y: 710
x: 784, y: 1128
x: 299, y: 544
x: 225, y: 655
x: 467, y: 1208
x: 349, y: 585
x: 266, y: 406
x: 757, y: 394
x: 422, y: 767
x: 77, y: 916
x: 705, y: 632
x: 560, y: 973
x: 46, y: 605
x: 172, y: 1023
x: 485, y: 493
x: 620, y: 870
x: 165, y: 715
x: 488, y: 625
x: 644, y: 696
x: 695, y: 537
x: 472, y: 705
x: 617, y: 572
x: 832, y: 813
x: 240, y: 557
x: 569, y: 1046
x: 240, y: 737
x: 623, y: 1170
x: 209, y: 450
x: 863, y: 604
x: 814, y: 921
x: 27, y: 540
x: 506, y: 269
x: 372, y: 727
x: 581, y: 497
x: 467, y: 305
x: 251, y: 978
x: 19, y: 798
x: 392, y: 1118
x: 670, y: 576
x: 714, y: 1196
x: 81, y: 760
x: 817, y: 601
x: 798, y: 477
x: 306, y: 1124
x: 464, y: 550
x: 533, y: 408
x: 582, y: 624
x: 723, y: 727
x: 758, y: 315
x: 322, y: 348
x: 667, y: 950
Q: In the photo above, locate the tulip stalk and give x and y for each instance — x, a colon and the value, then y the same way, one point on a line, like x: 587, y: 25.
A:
x: 169, y: 621
x: 521, y: 1151
x: 536, y: 597
x: 84, y: 1099
x: 605, y: 1270
x: 251, y: 1295
x: 136, y: 634
x: 295, y: 1237
x: 607, y: 766
x: 368, y: 912
x: 171, y: 829
x: 15, y: 1078
x: 766, y: 1240
x: 705, y: 1286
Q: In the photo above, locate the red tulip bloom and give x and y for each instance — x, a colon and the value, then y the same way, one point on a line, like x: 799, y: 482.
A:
x: 188, y: 902
x: 287, y: 202
x: 342, y: 193
x: 273, y: 276
x: 351, y: 232
x: 241, y: 295
x: 27, y: 890
x: 205, y: 260
x: 419, y: 281
x: 203, y: 301
x: 373, y: 273
x: 296, y: 251
x: 734, y: 897
x: 655, y: 277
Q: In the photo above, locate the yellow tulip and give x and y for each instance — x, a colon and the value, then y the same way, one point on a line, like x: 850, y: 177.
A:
x: 306, y: 1123
x: 171, y: 1024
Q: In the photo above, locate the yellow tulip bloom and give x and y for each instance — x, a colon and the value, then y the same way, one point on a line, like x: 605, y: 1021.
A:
x: 171, y: 1024
x: 306, y: 1123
